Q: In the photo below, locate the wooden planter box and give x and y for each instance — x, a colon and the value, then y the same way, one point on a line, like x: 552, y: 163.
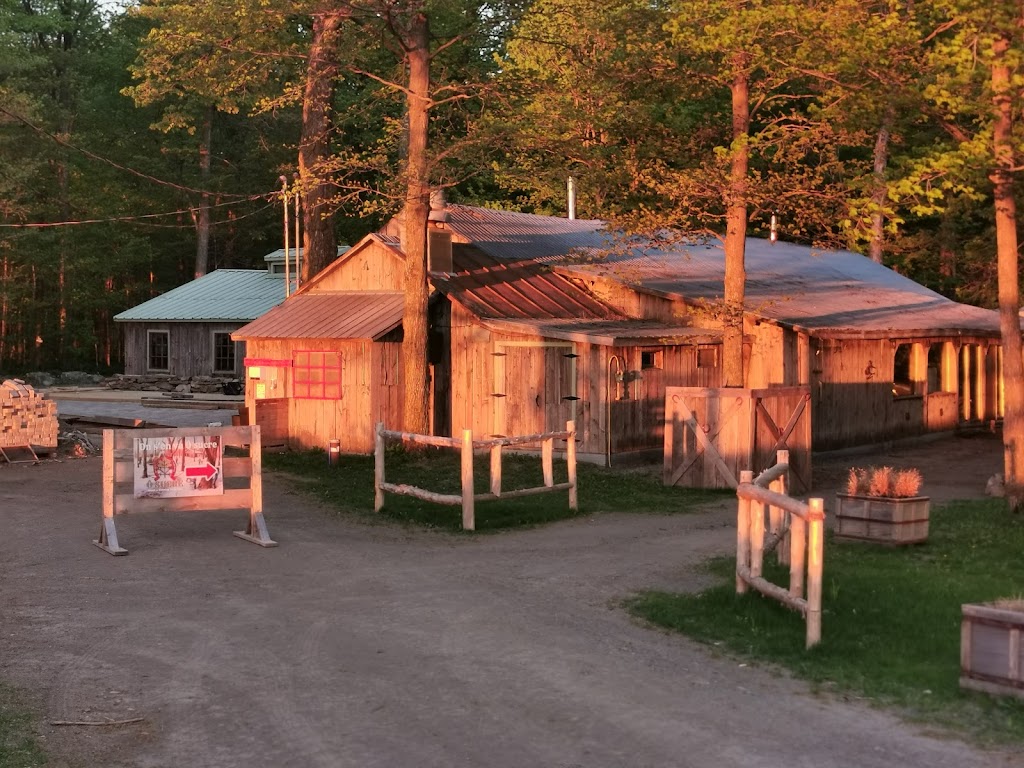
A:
x: 991, y: 651
x: 886, y: 521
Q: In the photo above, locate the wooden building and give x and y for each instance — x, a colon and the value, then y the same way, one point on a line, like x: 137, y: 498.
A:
x: 536, y: 320
x: 187, y: 331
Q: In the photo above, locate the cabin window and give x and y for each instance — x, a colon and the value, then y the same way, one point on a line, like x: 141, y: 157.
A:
x: 316, y: 375
x: 223, y: 353
x: 651, y: 359
x: 158, y: 350
x: 707, y: 357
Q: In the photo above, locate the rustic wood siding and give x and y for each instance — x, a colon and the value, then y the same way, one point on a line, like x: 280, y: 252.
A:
x: 515, y: 384
x: 190, y: 348
x: 371, y: 391
x: 373, y: 268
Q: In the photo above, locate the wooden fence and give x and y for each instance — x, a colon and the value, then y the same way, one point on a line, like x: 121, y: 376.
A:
x: 711, y: 434
x: 467, y: 446
x: 800, y: 525
x: 240, y: 480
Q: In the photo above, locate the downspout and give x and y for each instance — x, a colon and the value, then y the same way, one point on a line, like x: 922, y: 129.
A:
x: 608, y: 403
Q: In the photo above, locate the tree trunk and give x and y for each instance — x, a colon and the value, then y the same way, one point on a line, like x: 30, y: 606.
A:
x: 203, y: 215
x: 879, y: 189
x: 414, y: 232
x: 320, y: 245
x: 1009, y: 292
x: 736, y: 228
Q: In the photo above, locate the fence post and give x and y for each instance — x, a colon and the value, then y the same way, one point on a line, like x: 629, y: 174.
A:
x: 496, y: 470
x: 743, y: 534
x: 782, y: 520
x: 815, y: 555
x: 756, y: 537
x: 378, y: 467
x: 570, y: 461
x: 797, y: 549
x: 547, y: 452
x: 468, y: 519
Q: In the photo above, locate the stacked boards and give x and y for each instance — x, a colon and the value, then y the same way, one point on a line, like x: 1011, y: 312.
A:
x: 27, y: 418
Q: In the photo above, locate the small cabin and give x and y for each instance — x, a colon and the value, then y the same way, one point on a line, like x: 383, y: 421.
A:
x: 186, y: 331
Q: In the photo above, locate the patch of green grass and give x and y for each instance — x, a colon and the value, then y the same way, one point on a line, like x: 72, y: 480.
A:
x: 890, y: 618
x: 18, y: 746
x: 348, y: 487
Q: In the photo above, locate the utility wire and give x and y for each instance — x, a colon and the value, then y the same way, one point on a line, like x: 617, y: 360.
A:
x: 139, y: 217
x: 108, y: 161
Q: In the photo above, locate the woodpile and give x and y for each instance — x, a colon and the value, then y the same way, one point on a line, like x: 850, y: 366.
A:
x: 26, y: 417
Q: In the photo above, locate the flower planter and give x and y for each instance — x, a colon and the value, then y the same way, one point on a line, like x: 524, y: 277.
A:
x: 882, y: 520
x: 991, y: 651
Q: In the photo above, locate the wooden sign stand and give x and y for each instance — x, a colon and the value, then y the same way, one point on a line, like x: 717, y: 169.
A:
x: 119, y: 472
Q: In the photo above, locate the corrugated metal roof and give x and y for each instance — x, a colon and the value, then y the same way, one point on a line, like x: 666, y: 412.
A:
x: 515, y: 289
x: 329, y: 315
x: 510, y: 235
x: 225, y: 295
x: 827, y: 292
x: 824, y: 292
x: 610, y: 333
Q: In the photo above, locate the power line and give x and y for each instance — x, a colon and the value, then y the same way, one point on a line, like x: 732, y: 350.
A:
x: 140, y: 217
x: 108, y: 161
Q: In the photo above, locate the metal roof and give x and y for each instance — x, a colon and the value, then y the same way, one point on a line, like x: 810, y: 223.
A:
x: 610, y: 333
x: 225, y: 295
x: 510, y: 235
x: 522, y: 289
x: 824, y: 292
x: 329, y: 315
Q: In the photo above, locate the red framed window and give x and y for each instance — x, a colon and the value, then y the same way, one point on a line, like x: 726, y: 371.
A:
x: 316, y: 375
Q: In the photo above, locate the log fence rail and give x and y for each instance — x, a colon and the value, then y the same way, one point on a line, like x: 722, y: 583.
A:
x: 795, y: 531
x: 467, y: 446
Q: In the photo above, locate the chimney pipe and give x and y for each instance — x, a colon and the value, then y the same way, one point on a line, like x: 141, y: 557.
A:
x: 571, y: 188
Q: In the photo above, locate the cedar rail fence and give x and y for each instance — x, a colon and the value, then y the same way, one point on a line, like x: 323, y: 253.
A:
x: 467, y: 446
x: 792, y: 522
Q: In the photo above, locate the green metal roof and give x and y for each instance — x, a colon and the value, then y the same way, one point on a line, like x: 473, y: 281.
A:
x: 225, y: 295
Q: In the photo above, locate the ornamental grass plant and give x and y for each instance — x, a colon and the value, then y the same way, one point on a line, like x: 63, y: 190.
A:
x: 884, y: 482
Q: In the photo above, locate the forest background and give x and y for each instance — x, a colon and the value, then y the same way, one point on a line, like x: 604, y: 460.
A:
x: 142, y: 145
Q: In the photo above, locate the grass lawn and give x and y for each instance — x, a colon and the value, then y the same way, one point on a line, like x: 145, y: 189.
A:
x: 891, y: 619
x: 348, y: 487
x: 18, y: 747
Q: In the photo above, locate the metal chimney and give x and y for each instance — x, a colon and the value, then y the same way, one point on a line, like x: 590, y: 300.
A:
x: 571, y: 188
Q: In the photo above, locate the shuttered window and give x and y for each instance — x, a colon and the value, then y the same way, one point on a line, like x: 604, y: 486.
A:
x: 316, y: 375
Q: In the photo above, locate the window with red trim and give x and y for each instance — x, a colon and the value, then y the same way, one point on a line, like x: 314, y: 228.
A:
x: 316, y: 375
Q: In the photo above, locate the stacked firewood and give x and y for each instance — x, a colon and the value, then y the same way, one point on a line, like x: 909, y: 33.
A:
x: 26, y: 417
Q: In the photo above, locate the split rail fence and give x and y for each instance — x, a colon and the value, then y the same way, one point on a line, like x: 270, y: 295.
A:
x: 467, y: 447
x: 794, y: 529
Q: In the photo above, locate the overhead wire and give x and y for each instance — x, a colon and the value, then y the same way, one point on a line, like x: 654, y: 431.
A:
x: 236, y: 197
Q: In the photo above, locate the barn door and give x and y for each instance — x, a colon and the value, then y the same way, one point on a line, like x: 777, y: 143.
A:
x: 535, y: 387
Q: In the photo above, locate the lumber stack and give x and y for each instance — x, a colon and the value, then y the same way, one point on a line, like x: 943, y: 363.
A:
x: 26, y: 417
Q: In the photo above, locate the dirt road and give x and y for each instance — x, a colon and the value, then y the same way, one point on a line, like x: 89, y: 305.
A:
x: 373, y: 645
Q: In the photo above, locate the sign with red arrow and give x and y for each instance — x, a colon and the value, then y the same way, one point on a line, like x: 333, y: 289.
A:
x: 208, y: 471
x: 171, y: 465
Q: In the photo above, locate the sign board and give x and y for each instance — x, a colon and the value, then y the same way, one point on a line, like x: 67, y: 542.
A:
x: 190, y: 465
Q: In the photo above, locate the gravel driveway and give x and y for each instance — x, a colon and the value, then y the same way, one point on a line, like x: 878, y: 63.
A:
x: 354, y: 644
